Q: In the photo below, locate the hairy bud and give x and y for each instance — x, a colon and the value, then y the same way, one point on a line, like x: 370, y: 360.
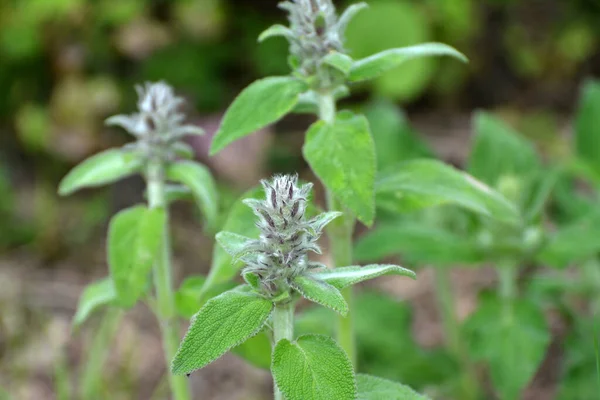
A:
x: 316, y: 32
x: 158, y: 124
x: 286, y: 235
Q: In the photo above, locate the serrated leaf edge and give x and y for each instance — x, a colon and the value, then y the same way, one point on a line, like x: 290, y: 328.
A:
x: 297, y: 287
x: 320, y: 337
x: 254, y: 333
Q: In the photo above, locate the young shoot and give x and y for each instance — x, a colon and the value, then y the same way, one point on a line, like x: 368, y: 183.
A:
x: 338, y: 147
x: 278, y: 272
x: 138, y: 237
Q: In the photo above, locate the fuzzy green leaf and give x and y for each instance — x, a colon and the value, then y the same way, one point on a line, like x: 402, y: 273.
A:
x: 134, y: 241
x: 321, y: 293
x: 499, y: 151
x: 375, y: 65
x: 189, y: 297
x: 419, y: 243
x: 183, y: 150
x: 347, y: 276
x: 200, y: 181
x: 319, y: 222
x: 224, y: 322
x: 94, y: 296
x: 395, y: 140
x: 587, y: 125
x: 350, y: 12
x: 274, y: 31
x: 241, y: 221
x: 342, y: 155
x: 374, y: 388
x: 314, y: 367
x: 339, y: 61
x: 100, y: 169
x: 512, y: 338
x: 235, y: 245
x: 260, y: 104
x: 426, y: 183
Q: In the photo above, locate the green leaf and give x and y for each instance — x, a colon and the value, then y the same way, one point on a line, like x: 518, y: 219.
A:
x: 581, y: 380
x: 100, y: 169
x: 379, y: 354
x: 224, y: 322
x: 314, y: 367
x: 512, y: 338
x: 260, y: 104
x: 395, y: 140
x: 374, y: 388
x: 375, y: 65
x: 499, y: 151
x: 426, y: 183
x: 274, y: 31
x: 235, y: 245
x: 189, y: 299
x: 339, y: 61
x: 240, y: 220
x: 319, y: 222
x: 134, y: 241
x: 200, y: 181
x: 321, y: 293
x: 94, y: 296
x: 347, y: 276
x: 349, y: 13
x: 574, y: 242
x: 419, y: 243
x: 587, y: 125
x: 256, y: 350
x: 342, y: 155
x: 184, y: 150
x: 392, y: 24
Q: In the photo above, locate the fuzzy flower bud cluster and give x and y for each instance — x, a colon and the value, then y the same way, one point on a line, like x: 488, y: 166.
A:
x: 158, y: 125
x: 286, y: 235
x: 315, y: 30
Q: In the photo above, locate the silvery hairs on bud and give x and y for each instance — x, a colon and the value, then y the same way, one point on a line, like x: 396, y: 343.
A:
x: 158, y: 125
x: 286, y: 236
x: 315, y: 31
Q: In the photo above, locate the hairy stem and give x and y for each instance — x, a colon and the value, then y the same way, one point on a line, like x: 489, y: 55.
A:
x: 340, y: 237
x: 283, y: 328
x: 445, y: 296
x: 91, y: 380
x: 92, y: 372
x: 163, y: 283
x: 507, y: 273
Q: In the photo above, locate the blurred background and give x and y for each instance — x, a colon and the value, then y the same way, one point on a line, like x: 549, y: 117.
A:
x: 66, y: 65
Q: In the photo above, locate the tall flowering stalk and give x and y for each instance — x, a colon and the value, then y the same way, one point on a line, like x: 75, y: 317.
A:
x: 138, y: 238
x: 278, y: 272
x: 338, y: 147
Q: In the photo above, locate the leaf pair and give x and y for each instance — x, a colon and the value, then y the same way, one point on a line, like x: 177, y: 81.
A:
x: 135, y: 239
x: 233, y: 317
x: 342, y: 154
x: 512, y: 338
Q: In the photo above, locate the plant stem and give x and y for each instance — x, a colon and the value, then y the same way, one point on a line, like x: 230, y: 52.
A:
x: 507, y: 273
x: 446, y: 304
x: 340, y: 237
x: 92, y: 373
x: 163, y: 282
x: 283, y: 328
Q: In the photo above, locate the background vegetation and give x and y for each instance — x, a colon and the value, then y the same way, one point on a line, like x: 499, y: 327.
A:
x: 65, y: 65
